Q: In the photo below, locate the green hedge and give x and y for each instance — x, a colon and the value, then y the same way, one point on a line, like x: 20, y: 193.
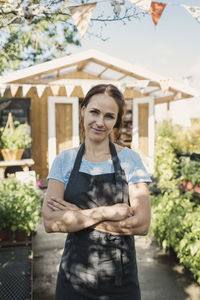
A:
x: 176, y: 224
x: 176, y: 215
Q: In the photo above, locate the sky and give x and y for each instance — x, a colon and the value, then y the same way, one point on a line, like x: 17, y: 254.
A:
x: 171, y: 49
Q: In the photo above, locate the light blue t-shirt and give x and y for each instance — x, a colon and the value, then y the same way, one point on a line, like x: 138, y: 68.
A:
x: 130, y: 162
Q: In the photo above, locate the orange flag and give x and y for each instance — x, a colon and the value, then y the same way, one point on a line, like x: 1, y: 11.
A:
x: 156, y: 10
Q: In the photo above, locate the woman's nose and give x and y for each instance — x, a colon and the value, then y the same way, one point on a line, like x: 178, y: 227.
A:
x: 99, y: 121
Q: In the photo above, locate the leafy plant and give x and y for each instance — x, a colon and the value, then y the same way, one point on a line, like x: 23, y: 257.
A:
x: 191, y: 137
x: 20, y: 207
x: 176, y: 222
x: 16, y: 137
x: 190, y: 170
x: 176, y: 225
x: 166, y: 162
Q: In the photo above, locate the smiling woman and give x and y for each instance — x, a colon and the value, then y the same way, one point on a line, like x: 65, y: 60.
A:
x: 95, y: 194
x: 105, y: 104
x: 100, y: 116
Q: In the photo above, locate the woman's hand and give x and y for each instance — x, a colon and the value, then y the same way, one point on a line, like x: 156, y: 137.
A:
x: 139, y: 222
x: 57, y: 204
x: 117, y: 212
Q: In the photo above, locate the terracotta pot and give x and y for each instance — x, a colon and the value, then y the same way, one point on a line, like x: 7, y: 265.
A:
x: 12, y: 155
x: 197, y: 189
x: 20, y: 236
x: 187, y: 185
x: 184, y: 183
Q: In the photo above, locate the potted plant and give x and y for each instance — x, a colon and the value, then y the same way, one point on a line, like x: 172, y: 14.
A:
x: 190, y: 173
x: 14, y: 138
x: 20, y: 207
x: 5, y: 214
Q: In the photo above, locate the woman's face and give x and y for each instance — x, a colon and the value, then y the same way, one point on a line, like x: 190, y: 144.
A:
x: 100, y: 116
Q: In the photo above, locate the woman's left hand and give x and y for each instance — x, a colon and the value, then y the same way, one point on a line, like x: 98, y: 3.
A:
x: 139, y: 223
x: 57, y: 204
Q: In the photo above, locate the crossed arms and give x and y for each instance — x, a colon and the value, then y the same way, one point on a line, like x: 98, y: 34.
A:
x: 118, y: 219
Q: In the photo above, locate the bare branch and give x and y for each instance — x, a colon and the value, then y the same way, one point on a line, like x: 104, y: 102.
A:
x: 97, y: 35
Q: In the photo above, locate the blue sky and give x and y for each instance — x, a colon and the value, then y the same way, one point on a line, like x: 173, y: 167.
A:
x: 171, y: 49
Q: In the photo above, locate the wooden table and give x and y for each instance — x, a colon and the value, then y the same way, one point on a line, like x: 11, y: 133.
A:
x: 24, y: 163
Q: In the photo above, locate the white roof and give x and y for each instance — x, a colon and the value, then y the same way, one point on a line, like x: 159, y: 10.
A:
x: 96, y: 63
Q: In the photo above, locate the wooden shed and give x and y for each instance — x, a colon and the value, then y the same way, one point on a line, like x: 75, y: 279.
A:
x: 55, y: 89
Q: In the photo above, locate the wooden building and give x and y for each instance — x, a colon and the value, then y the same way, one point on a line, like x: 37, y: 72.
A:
x: 57, y: 87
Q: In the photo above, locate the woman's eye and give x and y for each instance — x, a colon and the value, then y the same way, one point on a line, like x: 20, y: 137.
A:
x: 109, y: 117
x: 94, y: 112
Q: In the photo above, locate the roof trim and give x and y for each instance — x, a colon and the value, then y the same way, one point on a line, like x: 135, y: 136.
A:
x: 91, y: 54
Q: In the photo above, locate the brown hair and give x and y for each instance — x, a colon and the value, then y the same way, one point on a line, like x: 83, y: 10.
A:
x: 112, y: 91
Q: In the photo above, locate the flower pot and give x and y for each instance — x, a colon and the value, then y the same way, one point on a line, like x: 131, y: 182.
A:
x: 184, y: 183
x: 187, y: 185
x: 20, y: 236
x: 5, y: 234
x: 12, y: 155
x: 197, y: 189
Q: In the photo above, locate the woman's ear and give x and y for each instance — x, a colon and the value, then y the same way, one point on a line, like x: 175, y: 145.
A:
x: 82, y: 111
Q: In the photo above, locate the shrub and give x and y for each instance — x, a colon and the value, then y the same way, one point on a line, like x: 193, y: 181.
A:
x: 176, y: 222
x: 176, y: 225
x: 20, y: 206
x: 190, y: 170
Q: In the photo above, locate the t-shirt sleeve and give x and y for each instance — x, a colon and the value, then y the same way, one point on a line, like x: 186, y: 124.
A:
x: 56, y: 171
x: 134, y: 168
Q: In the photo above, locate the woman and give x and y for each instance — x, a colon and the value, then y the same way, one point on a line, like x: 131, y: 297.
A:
x: 98, y: 194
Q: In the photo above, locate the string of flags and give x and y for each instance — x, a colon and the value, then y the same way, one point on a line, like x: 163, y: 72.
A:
x: 139, y: 85
x: 82, y: 14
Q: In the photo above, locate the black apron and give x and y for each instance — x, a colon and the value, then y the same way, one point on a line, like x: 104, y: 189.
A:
x: 94, y: 264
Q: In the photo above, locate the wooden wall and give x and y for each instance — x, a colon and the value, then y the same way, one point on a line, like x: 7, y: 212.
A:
x: 143, y: 117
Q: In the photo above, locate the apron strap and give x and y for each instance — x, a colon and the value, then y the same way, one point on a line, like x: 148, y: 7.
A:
x: 114, y: 156
x: 78, y: 158
x: 118, y: 172
x: 116, y: 163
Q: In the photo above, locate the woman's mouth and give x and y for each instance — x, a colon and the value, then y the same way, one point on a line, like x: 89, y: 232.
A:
x: 98, y: 130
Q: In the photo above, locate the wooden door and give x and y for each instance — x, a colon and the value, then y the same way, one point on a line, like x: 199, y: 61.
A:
x: 64, y: 134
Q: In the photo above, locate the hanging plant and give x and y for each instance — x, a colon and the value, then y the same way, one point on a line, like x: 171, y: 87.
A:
x: 14, y: 138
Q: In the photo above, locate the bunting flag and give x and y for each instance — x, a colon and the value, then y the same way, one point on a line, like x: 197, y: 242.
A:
x: 144, y: 5
x: 81, y: 16
x: 122, y: 87
x: 164, y: 84
x: 156, y: 10
x: 25, y: 89
x: 40, y: 89
x: 55, y: 89
x: 13, y: 89
x: 85, y: 88
x: 194, y: 11
x: 2, y: 90
x: 117, y: 6
x: 69, y: 89
x: 141, y: 83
